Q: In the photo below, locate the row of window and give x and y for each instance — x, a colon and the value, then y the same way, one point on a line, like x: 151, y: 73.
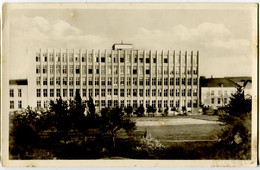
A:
x: 218, y: 100
x: 19, y: 104
x: 129, y: 81
x: 19, y: 91
x: 115, y: 103
x: 141, y: 59
x: 116, y: 92
x: 219, y: 92
x: 102, y: 70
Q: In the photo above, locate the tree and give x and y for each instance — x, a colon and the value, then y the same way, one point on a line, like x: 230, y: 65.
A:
x: 184, y: 110
x: 174, y: 109
x: 129, y: 110
x: 24, y: 136
x: 166, y: 111
x: 140, y: 111
x: 151, y: 109
x: 236, y: 136
x: 112, y: 120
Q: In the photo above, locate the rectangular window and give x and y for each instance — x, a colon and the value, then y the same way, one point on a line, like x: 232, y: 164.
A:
x: 171, y: 81
x: 97, y: 69
x: 171, y: 103
x: 189, y: 81
x: 147, y: 92
x: 177, y: 81
x: 38, y: 92
x: 195, y: 70
x: 115, y: 81
x: 135, y: 92
x: 134, y: 103
x: 171, y: 92
x: 51, y: 81
x: 84, y: 69
x: 38, y: 104
x: 57, y: 92
x: 141, y: 81
x: 109, y: 103
x: 195, y: 92
x: 103, y: 59
x: 115, y: 103
x: 109, y: 70
x: 115, y: 69
x: 134, y: 70
x: 122, y: 59
x: 183, y: 81
x: 45, y: 82
x: 19, y: 92
x: 128, y: 83
x: 122, y: 81
x: 153, y: 92
x: 77, y: 69
x: 64, y: 69
x: 122, y: 70
x: 71, y: 81
x: 154, y: 81
x: 96, y: 81
x: 177, y: 103
x: 11, y: 92
x: 71, y: 69
x: 96, y: 92
x: 77, y: 81
x: 165, y: 103
x: 225, y: 100
x: 159, y: 81
x: 159, y: 92
x: 147, y: 60
x: 45, y: 93
x: 44, y: 69
x: 115, y: 58
x: 51, y: 69
x: 115, y: 92
x: 195, y: 81
x: 109, y: 81
x: 71, y: 92
x: 84, y: 92
x: 90, y: 92
x: 165, y: 81
x: 51, y: 92
x: 165, y: 60
x: 19, y: 104
x: 183, y: 92
x: 189, y: 92
x: 128, y: 92
x: 103, y: 81
x: 11, y: 104
x: 103, y: 71
x: 189, y: 103
x: 109, y: 92
x: 188, y: 70
x: 165, y: 92
x: 122, y: 92
x: 218, y: 100
x: 38, y: 57
x: 212, y: 101
x: 212, y: 93
x: 153, y: 103
x: 103, y: 103
x: 147, y: 82
x: 177, y: 92
x: 64, y: 58
x: 135, y: 81
x: 141, y: 92
x: 90, y: 70
x: 122, y: 103
x: 64, y: 81
x: 159, y: 104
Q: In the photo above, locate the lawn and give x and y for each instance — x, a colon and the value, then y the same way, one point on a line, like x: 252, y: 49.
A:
x: 170, y: 130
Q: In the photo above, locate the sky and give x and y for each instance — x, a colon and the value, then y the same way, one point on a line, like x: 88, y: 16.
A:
x: 222, y: 36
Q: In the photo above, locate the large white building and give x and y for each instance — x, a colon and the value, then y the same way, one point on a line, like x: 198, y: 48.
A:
x: 122, y: 76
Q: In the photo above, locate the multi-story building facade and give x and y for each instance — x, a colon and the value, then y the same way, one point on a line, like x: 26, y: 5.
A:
x: 18, y: 90
x: 122, y: 76
x: 216, y: 92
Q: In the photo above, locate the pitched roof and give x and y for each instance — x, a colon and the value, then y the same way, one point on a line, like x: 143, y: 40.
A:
x: 18, y: 82
x: 216, y: 82
x: 239, y: 79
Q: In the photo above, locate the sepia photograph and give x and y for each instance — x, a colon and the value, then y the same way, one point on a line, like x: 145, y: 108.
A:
x: 129, y: 84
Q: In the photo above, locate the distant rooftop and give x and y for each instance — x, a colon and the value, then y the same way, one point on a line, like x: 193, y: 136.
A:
x: 18, y: 82
x: 216, y: 82
x: 122, y: 46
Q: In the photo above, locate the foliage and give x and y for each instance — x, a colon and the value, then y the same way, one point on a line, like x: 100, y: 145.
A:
x: 140, y: 111
x: 166, y: 111
x: 149, y: 147
x: 236, y: 136
x: 128, y: 110
x: 151, y: 109
x: 112, y: 120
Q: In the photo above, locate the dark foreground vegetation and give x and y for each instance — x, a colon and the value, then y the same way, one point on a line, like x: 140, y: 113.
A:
x: 73, y: 130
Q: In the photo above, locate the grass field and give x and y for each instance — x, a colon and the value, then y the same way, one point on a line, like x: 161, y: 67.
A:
x: 181, y: 129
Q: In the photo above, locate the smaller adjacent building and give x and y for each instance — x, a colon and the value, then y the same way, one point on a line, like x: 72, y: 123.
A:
x: 18, y: 94
x: 245, y: 82
x: 216, y: 92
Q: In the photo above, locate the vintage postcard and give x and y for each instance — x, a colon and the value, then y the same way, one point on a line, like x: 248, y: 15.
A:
x: 129, y: 84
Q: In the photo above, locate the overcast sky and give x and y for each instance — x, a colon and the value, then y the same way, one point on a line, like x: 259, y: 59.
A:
x: 223, y: 36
